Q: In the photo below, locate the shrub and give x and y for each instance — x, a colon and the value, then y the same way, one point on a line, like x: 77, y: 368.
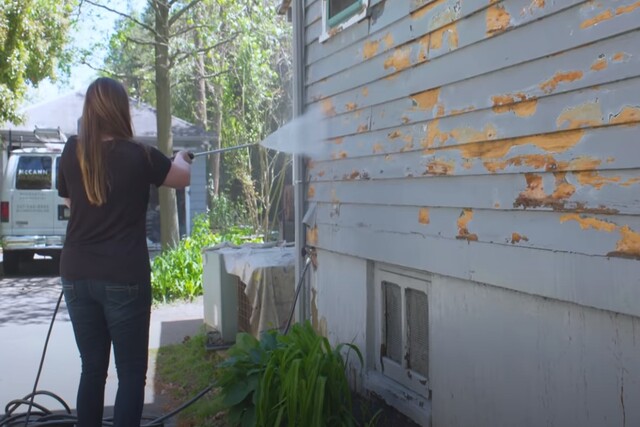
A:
x: 177, y: 273
x: 292, y: 380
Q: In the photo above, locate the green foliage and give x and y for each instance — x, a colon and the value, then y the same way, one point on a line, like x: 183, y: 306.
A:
x: 33, y: 38
x: 296, y: 379
x: 224, y: 213
x: 177, y: 273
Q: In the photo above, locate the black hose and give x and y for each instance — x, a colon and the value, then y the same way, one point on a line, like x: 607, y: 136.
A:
x: 295, y: 298
x: 45, y: 417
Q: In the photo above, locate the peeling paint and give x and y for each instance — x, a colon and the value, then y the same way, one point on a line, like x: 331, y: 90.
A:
x: 595, y: 180
x: 338, y: 140
x: 587, y: 223
x: 424, y: 43
x: 586, y: 115
x: 560, y: 77
x: 426, y: 100
x: 433, y: 134
x: 370, y: 49
x: 609, y: 14
x: 328, y: 109
x: 399, y: 60
x: 363, y: 128
x: 628, y: 245
x: 420, y: 13
x: 451, y: 33
x: 351, y: 106
x: 535, y: 196
x: 463, y: 223
x: 600, y: 64
x: 461, y: 110
x: 378, y: 148
x: 535, y: 161
x: 354, y: 175
x: 626, y: 115
x: 388, y: 40
x: 440, y: 167
x: 312, y: 235
x: 365, y: 91
x: 311, y: 192
x: 620, y: 56
x: 524, y: 108
x: 394, y: 135
x: 516, y: 238
x: 423, y: 216
x: 466, y: 134
x: 497, y: 19
x: 555, y: 143
x: 564, y: 189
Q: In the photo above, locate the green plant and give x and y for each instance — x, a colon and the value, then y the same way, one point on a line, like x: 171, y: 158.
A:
x: 292, y: 380
x: 177, y: 273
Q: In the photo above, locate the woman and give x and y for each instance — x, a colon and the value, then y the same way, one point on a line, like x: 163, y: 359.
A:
x: 105, y: 178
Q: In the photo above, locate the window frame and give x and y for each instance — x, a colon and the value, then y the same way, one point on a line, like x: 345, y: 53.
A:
x: 385, y: 366
x: 344, y: 19
x: 17, y: 181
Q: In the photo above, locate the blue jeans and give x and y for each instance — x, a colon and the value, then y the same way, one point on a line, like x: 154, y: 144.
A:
x: 103, y: 313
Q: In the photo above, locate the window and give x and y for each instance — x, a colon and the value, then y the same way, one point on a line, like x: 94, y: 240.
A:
x: 403, y: 328
x: 340, y: 14
x: 34, y: 173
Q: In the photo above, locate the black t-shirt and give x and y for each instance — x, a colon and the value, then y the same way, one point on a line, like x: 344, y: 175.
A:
x: 109, y: 242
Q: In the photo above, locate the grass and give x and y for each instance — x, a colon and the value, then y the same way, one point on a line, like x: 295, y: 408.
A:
x: 183, y: 370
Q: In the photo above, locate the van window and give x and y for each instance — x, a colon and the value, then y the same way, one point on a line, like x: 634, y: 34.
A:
x: 34, y: 173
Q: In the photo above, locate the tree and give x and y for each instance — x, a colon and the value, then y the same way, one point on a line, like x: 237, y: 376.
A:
x: 33, y: 39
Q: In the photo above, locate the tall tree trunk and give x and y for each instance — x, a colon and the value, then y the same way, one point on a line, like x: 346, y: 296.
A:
x: 201, y: 105
x: 168, y: 205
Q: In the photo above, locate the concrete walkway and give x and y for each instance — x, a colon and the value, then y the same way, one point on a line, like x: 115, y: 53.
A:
x: 26, y: 308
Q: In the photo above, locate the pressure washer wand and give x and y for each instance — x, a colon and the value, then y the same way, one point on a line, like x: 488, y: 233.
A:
x: 222, y: 150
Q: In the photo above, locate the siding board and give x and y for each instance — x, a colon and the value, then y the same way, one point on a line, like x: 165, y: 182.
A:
x: 597, y: 235
x: 488, y: 56
x: 540, y: 191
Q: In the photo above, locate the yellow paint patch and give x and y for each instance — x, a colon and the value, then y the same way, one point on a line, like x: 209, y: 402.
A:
x: 378, y: 148
x: 424, y: 43
x: 328, y: 109
x: 587, y: 223
x: 351, y: 106
x: 517, y: 238
x: 440, y: 110
x: 420, y: 13
x: 585, y: 115
x: 496, y: 205
x: 626, y: 115
x: 311, y: 192
x: 555, y: 143
x: 394, y: 135
x: 622, y: 10
x: 461, y: 111
x: 321, y: 173
x: 564, y: 189
x: 466, y: 135
x: 399, y: 60
x: 388, y: 40
x: 629, y: 243
x: 535, y: 161
x: 600, y: 64
x: 520, y: 109
x: 312, y: 236
x: 426, y: 100
x: 497, y: 19
x: 370, y: 49
x: 595, y: 180
x: 450, y: 32
x: 338, y: 141
x: 434, y: 135
x: 440, y: 167
x: 561, y: 77
x: 423, y: 216
x: 463, y: 223
x: 363, y: 128
x: 619, y: 57
x: 604, y: 16
x: 365, y: 91
x: 630, y: 182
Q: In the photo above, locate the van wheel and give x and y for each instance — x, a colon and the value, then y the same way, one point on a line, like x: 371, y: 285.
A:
x: 11, y: 263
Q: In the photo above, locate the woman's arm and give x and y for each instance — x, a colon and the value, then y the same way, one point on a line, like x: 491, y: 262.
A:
x: 179, y: 175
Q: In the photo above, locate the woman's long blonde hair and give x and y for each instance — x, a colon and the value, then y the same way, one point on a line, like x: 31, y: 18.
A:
x: 105, y: 115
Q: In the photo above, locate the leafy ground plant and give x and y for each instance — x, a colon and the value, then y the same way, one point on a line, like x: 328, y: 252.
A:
x: 297, y: 379
x: 176, y: 274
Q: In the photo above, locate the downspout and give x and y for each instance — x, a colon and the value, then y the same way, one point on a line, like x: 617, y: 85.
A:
x: 299, y: 172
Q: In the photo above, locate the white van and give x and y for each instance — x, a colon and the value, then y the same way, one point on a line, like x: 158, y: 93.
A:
x: 33, y: 219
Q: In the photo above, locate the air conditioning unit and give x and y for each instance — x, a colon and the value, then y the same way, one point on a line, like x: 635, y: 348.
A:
x: 220, y: 299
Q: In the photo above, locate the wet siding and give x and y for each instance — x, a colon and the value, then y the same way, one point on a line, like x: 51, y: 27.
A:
x: 484, y: 129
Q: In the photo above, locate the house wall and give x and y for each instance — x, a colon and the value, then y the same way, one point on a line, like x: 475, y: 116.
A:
x: 492, y: 144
